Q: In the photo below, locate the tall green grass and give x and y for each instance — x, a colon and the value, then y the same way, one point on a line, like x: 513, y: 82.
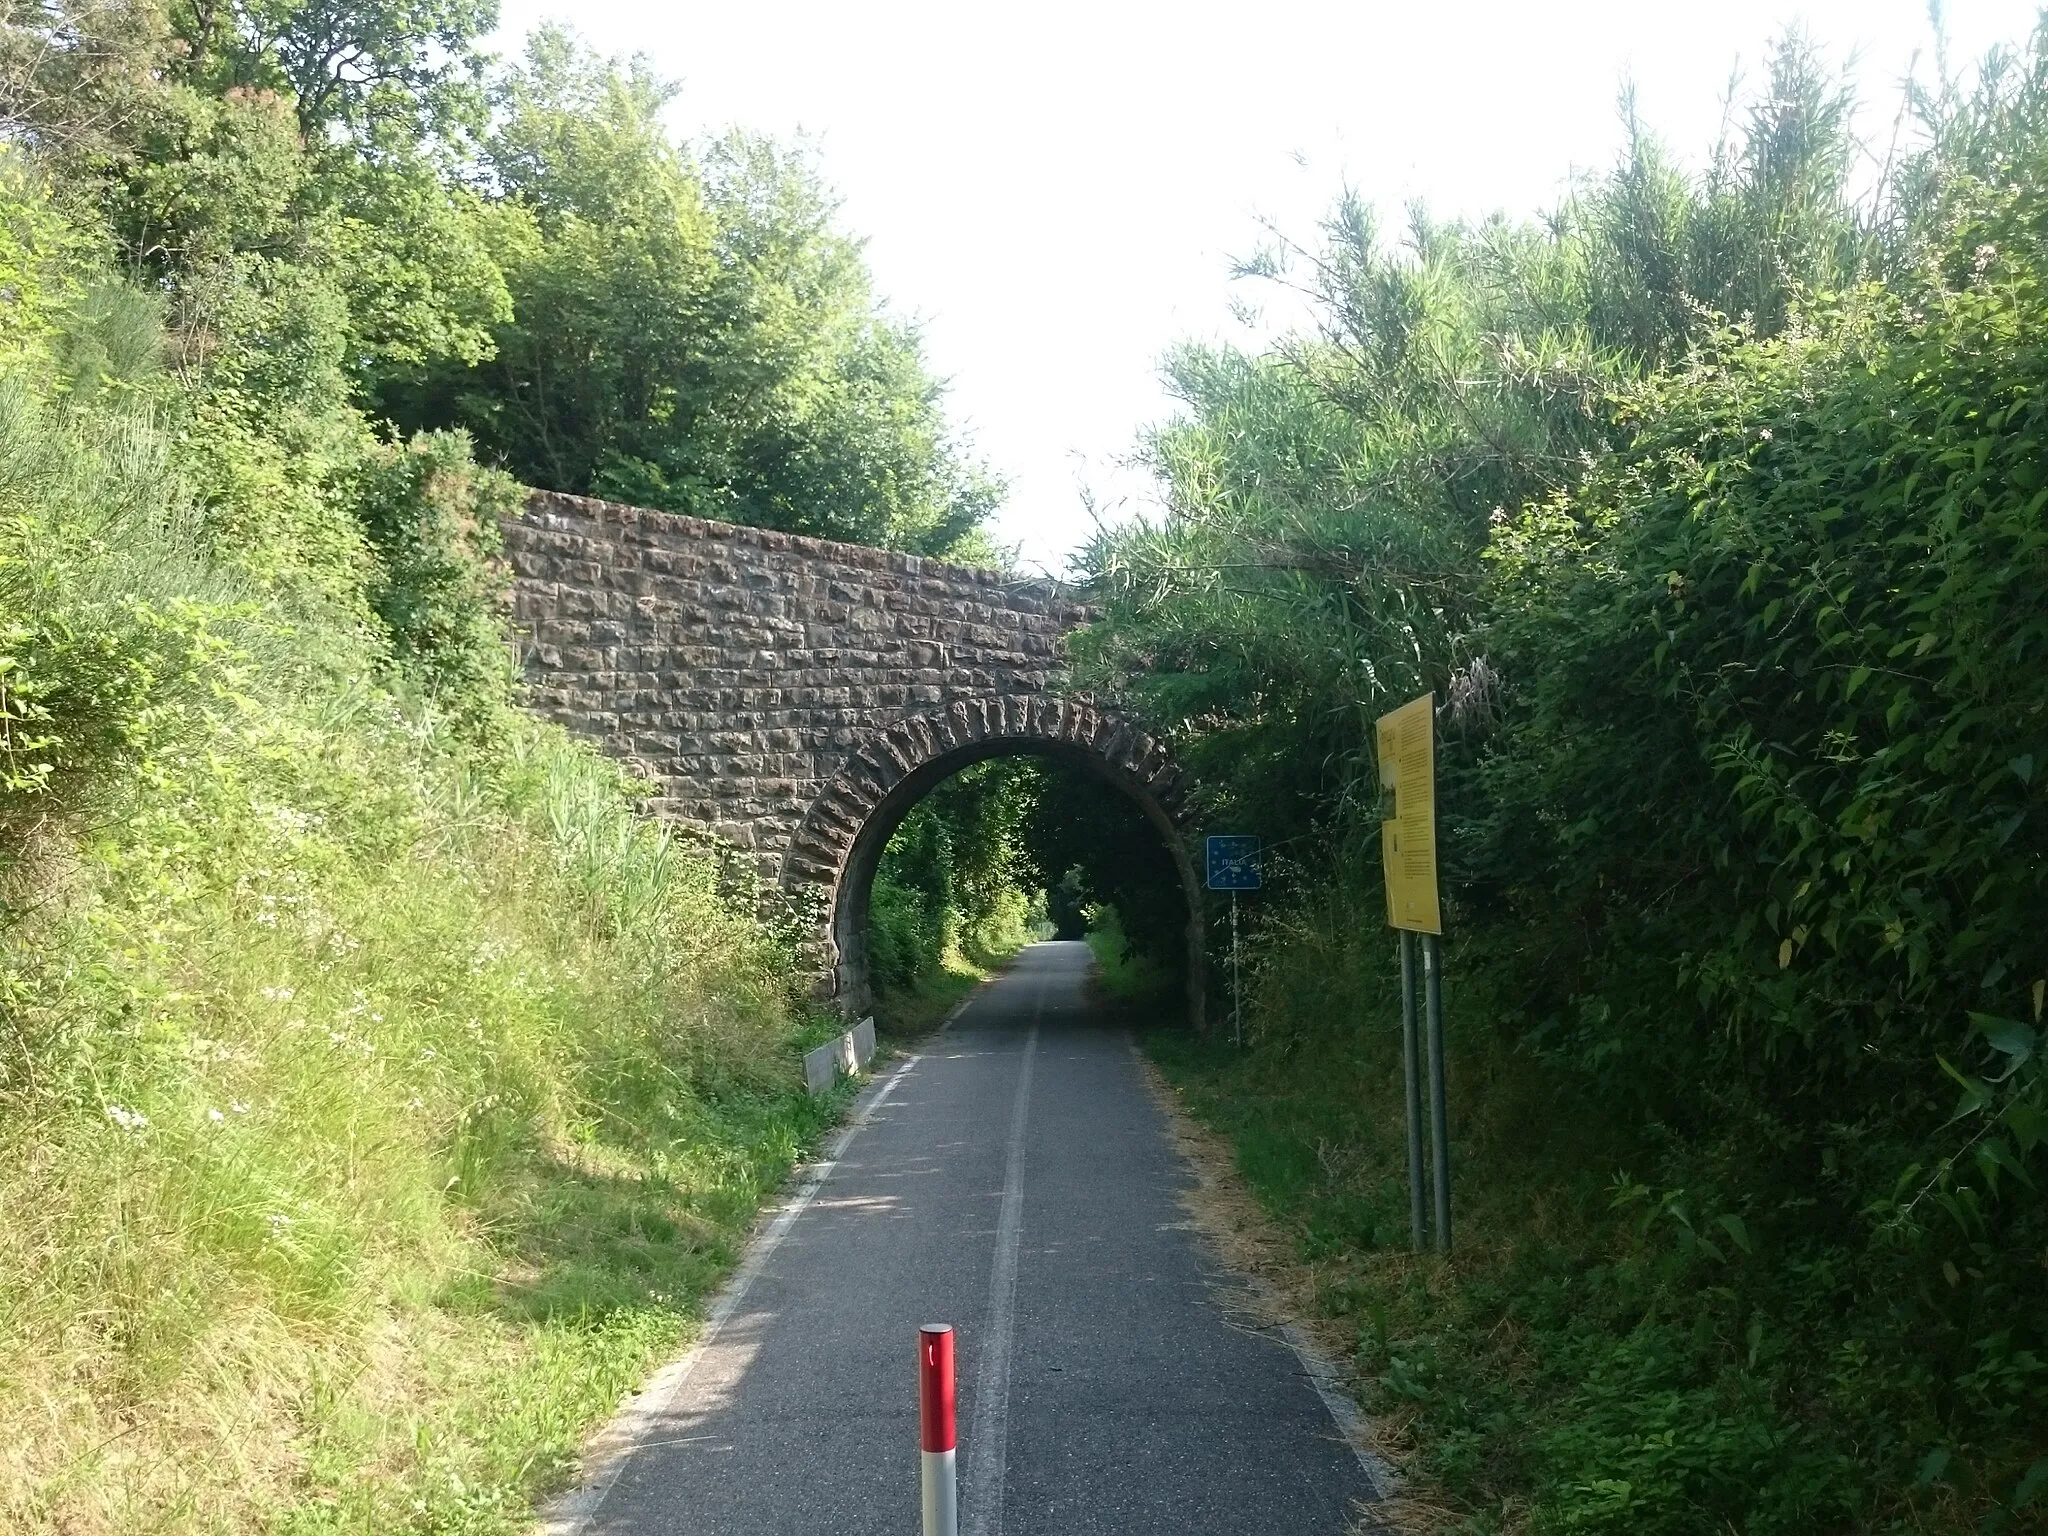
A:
x: 1622, y: 1341
x: 379, y: 1093
x: 359, y: 1145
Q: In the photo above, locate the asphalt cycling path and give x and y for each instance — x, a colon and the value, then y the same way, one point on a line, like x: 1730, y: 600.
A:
x: 1017, y: 1180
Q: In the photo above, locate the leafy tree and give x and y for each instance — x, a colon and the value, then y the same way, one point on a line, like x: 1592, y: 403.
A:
x: 952, y: 872
x: 432, y: 515
x: 1329, y: 502
x: 43, y: 259
x: 695, y: 336
x: 384, y: 71
x: 1084, y: 842
x: 311, y: 185
x: 966, y: 855
x: 76, y: 74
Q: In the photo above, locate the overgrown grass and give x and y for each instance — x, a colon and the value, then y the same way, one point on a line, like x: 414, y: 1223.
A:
x: 1611, y: 1347
x: 379, y: 1093
x: 372, y: 1123
x: 907, y: 1014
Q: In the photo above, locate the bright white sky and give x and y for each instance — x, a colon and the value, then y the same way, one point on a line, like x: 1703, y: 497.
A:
x: 1056, y: 189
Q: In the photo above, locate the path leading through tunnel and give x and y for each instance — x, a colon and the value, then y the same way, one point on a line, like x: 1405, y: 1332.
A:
x: 1017, y: 1181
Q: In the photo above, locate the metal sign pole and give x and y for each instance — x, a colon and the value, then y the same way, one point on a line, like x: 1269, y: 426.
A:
x: 1439, y: 1115
x: 1406, y: 747
x: 1236, y: 977
x: 1411, y: 1081
x: 1233, y: 866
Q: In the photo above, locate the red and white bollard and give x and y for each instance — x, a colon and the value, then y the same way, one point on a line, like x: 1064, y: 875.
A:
x: 935, y: 1423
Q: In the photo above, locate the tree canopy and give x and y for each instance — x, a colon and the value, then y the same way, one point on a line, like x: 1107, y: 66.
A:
x: 354, y: 217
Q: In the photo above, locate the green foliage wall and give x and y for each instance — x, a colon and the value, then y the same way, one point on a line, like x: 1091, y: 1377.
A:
x: 1087, y: 844
x: 1008, y: 845
x: 954, y: 875
x: 1711, y: 511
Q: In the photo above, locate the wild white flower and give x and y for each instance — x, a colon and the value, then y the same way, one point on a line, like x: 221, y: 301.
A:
x: 128, y: 1119
x: 239, y: 1107
x: 277, y: 994
x: 290, y: 821
x: 215, y: 1116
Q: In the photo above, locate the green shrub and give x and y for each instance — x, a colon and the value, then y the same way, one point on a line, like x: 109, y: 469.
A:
x: 108, y: 623
x: 1737, y: 628
x: 1805, y: 604
x: 355, y: 1083
x: 432, y: 515
x: 952, y: 877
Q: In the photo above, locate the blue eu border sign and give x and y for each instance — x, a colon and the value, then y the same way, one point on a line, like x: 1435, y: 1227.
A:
x: 1233, y: 864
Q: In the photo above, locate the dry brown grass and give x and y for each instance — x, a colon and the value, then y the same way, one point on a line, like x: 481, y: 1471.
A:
x: 1280, y: 1291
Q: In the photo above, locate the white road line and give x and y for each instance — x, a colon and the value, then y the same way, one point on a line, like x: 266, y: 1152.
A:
x: 1328, y: 1381
x: 988, y: 1445
x: 1319, y: 1368
x: 631, y: 1428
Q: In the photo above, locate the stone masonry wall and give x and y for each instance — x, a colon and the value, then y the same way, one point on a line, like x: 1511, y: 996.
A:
x: 739, y: 668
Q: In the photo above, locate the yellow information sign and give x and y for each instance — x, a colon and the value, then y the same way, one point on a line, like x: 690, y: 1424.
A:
x: 1407, y: 749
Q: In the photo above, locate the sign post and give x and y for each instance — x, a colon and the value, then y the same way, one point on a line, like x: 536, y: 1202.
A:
x: 1233, y: 866
x: 1407, y: 756
x: 1411, y: 1084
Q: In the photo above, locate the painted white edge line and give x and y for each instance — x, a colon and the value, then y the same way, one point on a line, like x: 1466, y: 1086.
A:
x: 1344, y: 1410
x: 1321, y: 1371
x: 570, y: 1514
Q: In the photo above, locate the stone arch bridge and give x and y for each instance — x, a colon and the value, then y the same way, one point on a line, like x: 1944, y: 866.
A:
x: 795, y: 697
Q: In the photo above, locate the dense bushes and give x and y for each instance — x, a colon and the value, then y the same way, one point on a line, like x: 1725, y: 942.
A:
x: 1737, y: 621
x: 379, y: 1094
x: 1023, y: 847
x: 431, y: 516
x: 105, y: 617
x: 1804, y: 604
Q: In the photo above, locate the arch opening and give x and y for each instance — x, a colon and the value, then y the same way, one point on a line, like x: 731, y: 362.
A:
x: 852, y: 898
x: 839, y: 849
